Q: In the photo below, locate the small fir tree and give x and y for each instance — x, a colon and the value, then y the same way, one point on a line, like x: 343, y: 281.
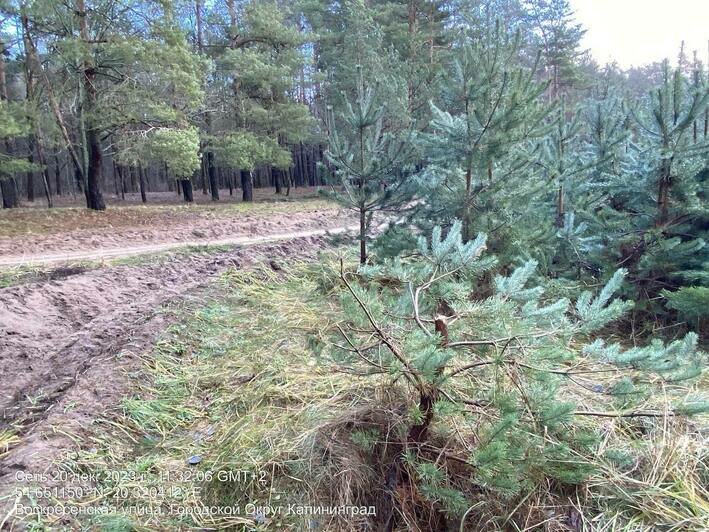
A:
x: 371, y: 164
x: 479, y: 141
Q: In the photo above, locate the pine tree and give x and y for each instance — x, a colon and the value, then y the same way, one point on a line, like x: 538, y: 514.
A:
x: 256, y: 68
x: 560, y: 36
x: 499, y: 363
x: 654, y: 214
x: 371, y: 164
x: 134, y: 80
x: 13, y: 124
x: 480, y: 145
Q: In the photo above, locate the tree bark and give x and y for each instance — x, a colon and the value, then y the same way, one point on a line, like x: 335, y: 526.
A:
x: 38, y: 141
x: 187, y: 191
x: 247, y: 185
x: 560, y: 207
x: 30, y: 173
x: 276, y: 173
x: 663, y: 192
x: 36, y: 67
x: 57, y: 175
x: 122, y: 179
x: 419, y: 432
x: 211, y: 172
x: 9, y: 193
x: 94, y: 197
x: 141, y: 181
x: 7, y: 185
x: 362, y: 236
x: 467, y: 222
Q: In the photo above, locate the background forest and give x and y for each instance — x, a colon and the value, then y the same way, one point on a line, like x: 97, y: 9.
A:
x: 531, y: 234
x: 488, y: 109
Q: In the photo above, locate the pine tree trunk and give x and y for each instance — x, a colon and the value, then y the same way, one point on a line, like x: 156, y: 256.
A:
x: 229, y: 181
x: 30, y: 174
x: 203, y: 174
x: 122, y: 181
x: 9, y: 193
x: 247, y: 186
x: 78, y: 181
x: 211, y: 172
x: 362, y: 236
x: 36, y: 140
x: 663, y: 192
x: 36, y: 67
x: 187, y: 191
x: 7, y: 185
x: 276, y: 173
x: 57, y: 176
x: 94, y: 197
x: 141, y: 181
x: 560, y: 207
x: 467, y: 222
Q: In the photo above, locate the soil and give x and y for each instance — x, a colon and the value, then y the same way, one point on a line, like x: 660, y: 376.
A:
x: 71, y: 343
x: 76, y: 234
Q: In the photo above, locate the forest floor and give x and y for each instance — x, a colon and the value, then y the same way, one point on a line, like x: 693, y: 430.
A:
x: 72, y: 336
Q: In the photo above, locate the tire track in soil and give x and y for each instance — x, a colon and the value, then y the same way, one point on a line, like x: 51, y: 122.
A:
x: 69, y: 347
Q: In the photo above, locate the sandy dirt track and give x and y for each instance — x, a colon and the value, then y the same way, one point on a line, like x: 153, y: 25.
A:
x: 80, y: 234
x: 70, y: 344
x: 131, y: 251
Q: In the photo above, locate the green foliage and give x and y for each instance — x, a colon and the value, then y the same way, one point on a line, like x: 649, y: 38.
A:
x: 256, y: 72
x: 371, y: 164
x: 512, y: 353
x: 177, y: 148
x: 480, y: 138
x: 676, y: 361
x: 690, y: 302
x: 13, y: 124
x: 246, y: 150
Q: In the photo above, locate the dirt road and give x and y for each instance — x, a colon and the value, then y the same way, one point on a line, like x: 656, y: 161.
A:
x: 70, y: 345
x: 131, y: 251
